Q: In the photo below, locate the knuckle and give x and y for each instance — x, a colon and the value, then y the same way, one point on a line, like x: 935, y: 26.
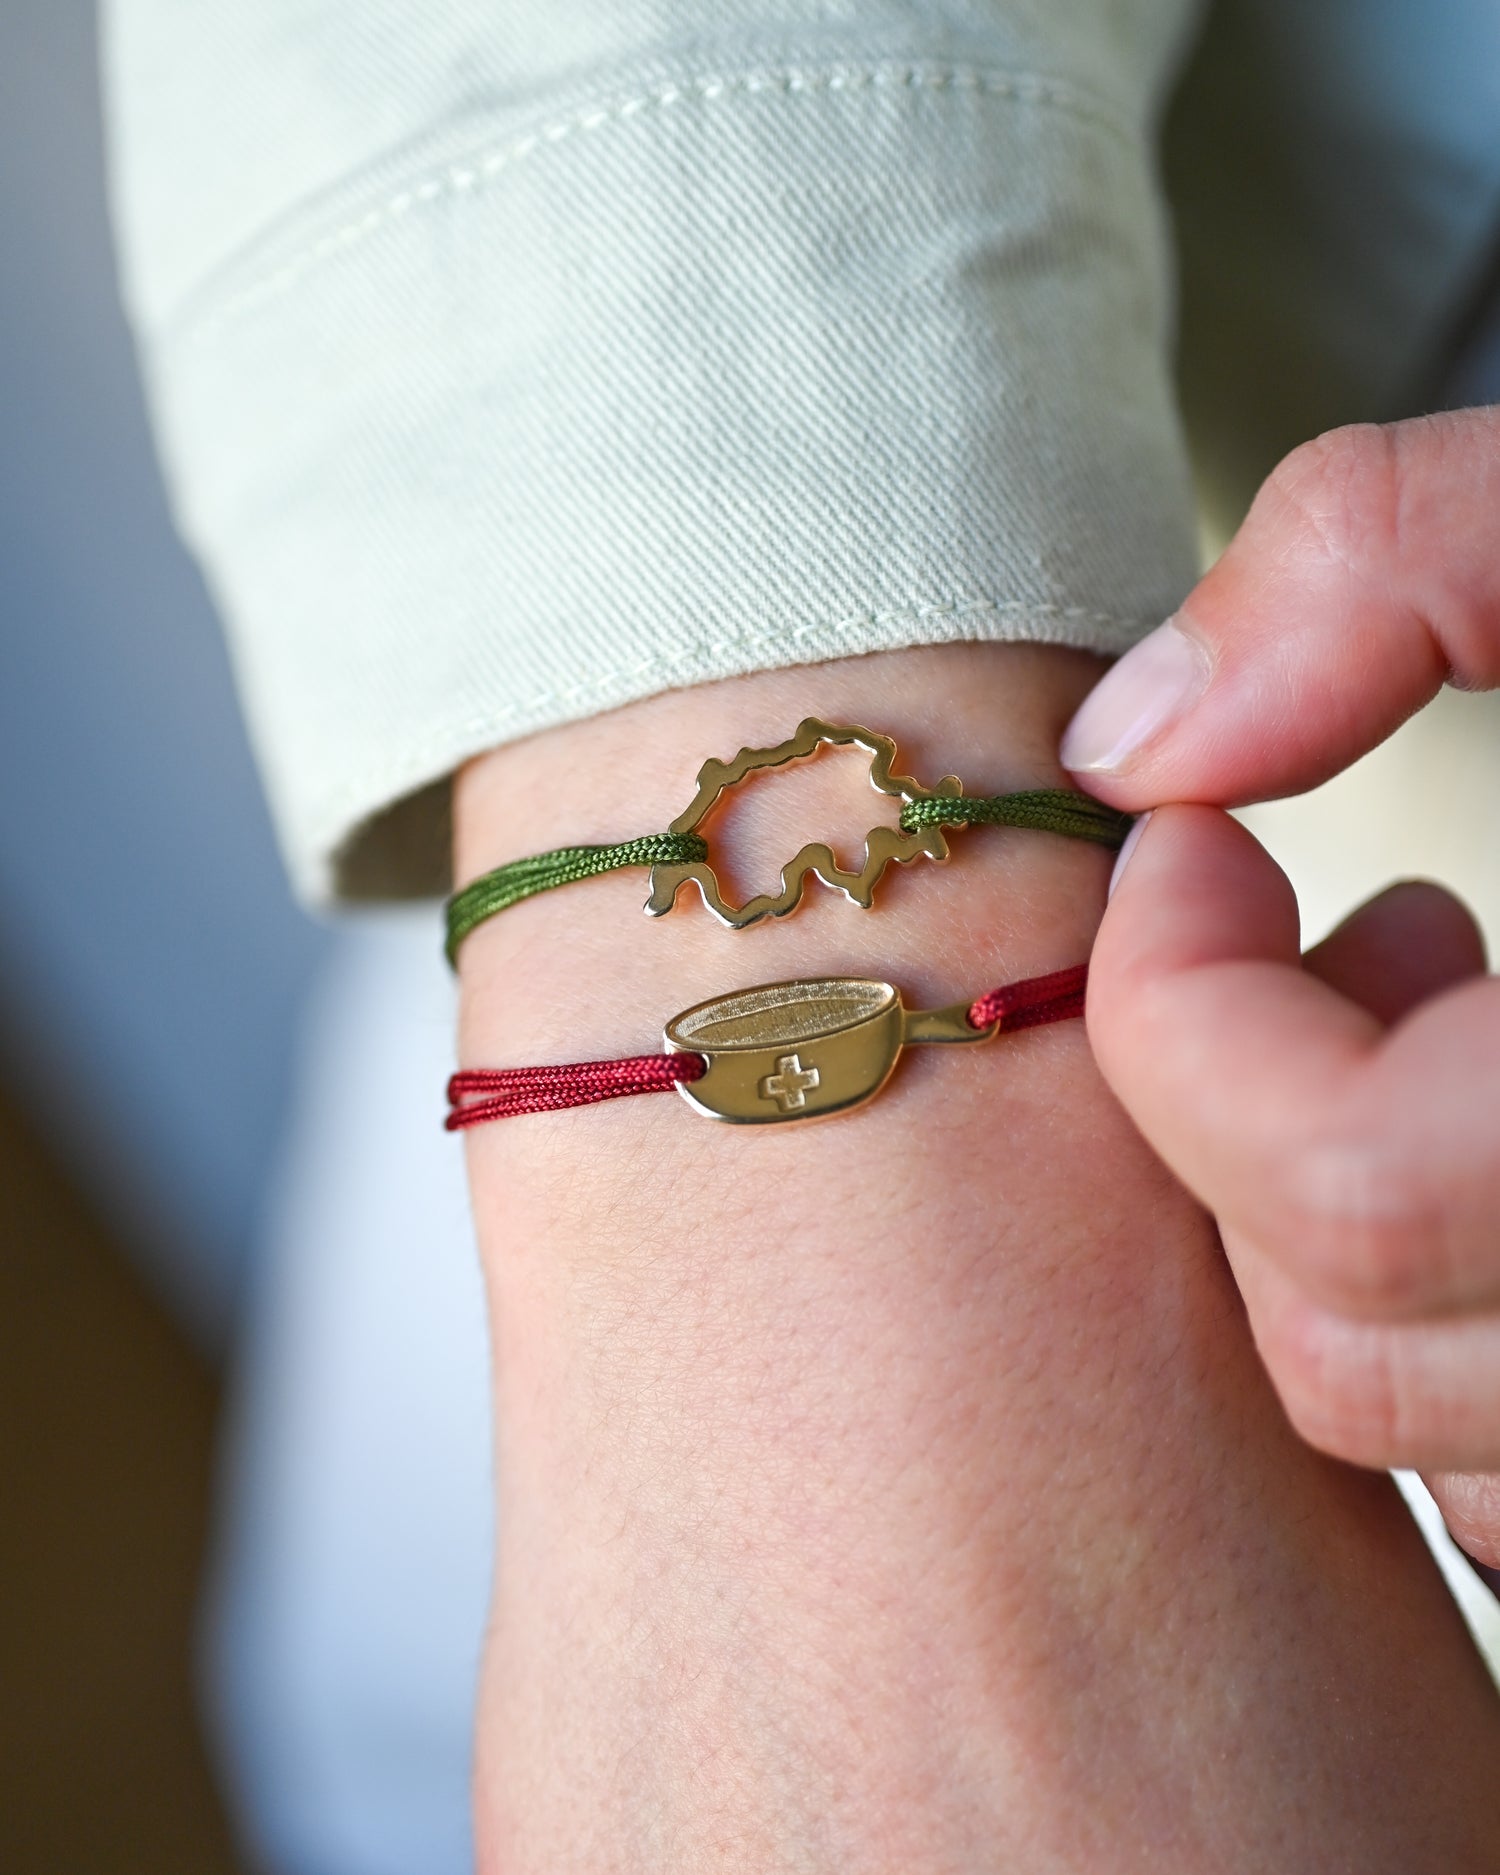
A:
x: 1343, y: 490
x: 1361, y: 1229
x: 1344, y: 1390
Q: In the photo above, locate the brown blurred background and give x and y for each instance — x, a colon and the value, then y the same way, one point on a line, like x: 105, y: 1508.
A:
x: 106, y: 1451
x: 149, y: 956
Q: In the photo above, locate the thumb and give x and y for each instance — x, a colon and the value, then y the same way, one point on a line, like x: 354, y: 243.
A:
x: 1366, y: 575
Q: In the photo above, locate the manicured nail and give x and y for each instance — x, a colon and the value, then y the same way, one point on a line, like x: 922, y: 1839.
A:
x: 1131, y: 841
x: 1154, y: 683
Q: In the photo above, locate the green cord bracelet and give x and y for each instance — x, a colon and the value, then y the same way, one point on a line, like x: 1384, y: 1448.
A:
x: 497, y: 891
x: 681, y: 856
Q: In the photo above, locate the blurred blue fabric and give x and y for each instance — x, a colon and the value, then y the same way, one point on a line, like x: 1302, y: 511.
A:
x: 155, y: 983
x: 152, y: 964
x: 354, y: 1559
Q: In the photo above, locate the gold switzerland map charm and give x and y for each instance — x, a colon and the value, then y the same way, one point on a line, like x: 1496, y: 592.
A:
x: 883, y: 845
x: 802, y: 1050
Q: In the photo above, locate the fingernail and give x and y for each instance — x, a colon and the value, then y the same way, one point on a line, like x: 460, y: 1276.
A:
x: 1131, y: 841
x: 1155, y: 682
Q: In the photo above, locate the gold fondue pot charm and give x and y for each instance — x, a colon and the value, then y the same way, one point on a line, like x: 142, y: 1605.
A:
x: 783, y: 1051
x: 802, y: 1050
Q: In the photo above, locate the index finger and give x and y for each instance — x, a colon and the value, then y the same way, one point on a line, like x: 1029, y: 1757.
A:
x: 1366, y: 575
x: 1365, y: 1160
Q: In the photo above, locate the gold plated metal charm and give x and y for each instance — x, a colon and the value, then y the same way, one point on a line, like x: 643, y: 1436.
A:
x: 805, y: 1049
x: 883, y: 845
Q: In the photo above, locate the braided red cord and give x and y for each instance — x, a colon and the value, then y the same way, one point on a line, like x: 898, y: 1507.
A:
x: 479, y: 1094
x: 1033, y: 1001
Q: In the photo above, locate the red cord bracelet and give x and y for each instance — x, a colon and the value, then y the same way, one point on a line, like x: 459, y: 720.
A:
x: 782, y: 1051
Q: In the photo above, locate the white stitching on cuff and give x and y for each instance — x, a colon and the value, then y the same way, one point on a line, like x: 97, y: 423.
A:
x: 462, y: 177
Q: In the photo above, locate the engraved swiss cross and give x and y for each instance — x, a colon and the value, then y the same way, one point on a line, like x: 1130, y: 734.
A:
x: 790, y: 1085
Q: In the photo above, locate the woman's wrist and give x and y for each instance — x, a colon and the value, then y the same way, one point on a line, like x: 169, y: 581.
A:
x: 989, y: 713
x: 854, y: 1478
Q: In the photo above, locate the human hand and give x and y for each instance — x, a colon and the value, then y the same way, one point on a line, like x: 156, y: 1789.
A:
x: 1339, y: 1113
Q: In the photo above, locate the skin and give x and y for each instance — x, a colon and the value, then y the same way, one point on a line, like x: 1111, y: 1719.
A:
x: 902, y: 1492
x: 1339, y: 1114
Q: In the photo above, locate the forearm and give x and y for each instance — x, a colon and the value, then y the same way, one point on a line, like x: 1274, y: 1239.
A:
x: 903, y: 1491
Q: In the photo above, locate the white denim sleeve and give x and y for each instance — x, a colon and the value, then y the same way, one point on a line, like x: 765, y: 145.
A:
x: 513, y: 359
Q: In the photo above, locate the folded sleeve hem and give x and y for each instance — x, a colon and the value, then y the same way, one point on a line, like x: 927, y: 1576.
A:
x: 861, y: 364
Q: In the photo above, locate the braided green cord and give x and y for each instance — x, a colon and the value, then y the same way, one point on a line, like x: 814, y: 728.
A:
x: 1052, y: 810
x: 497, y: 891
